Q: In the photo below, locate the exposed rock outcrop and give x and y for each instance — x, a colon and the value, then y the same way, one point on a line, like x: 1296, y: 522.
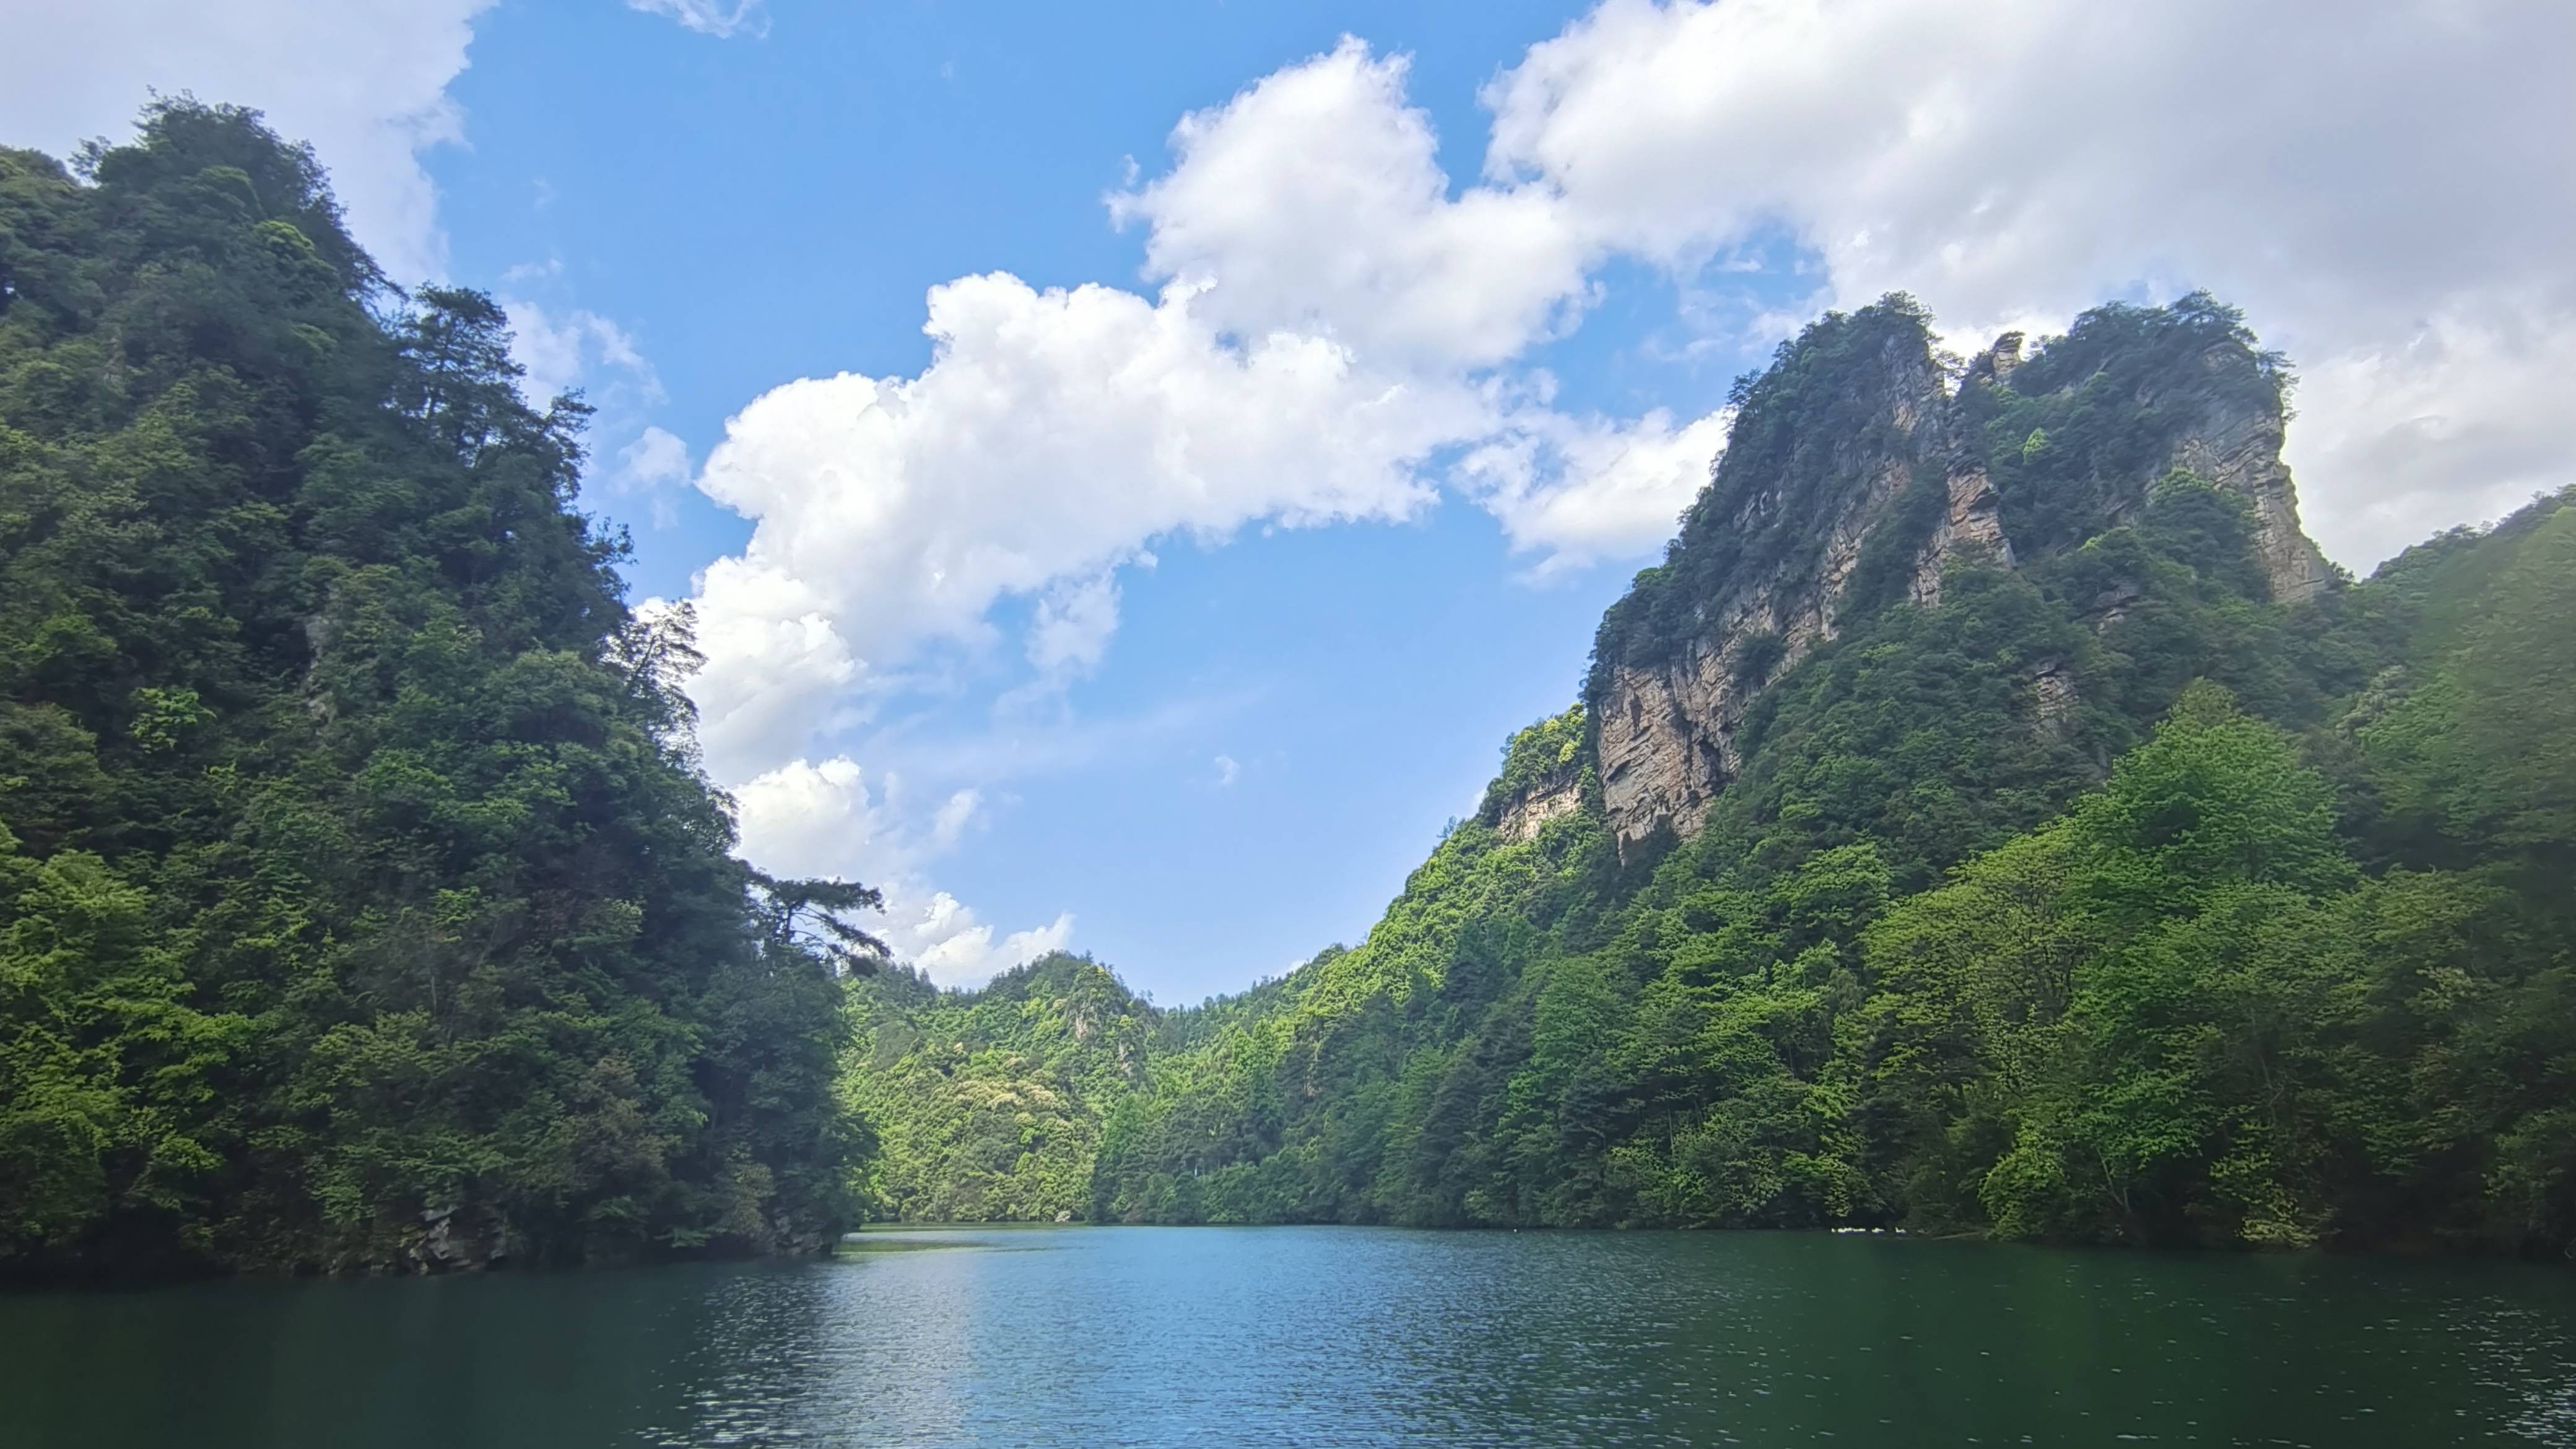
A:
x: 1543, y: 777
x: 1768, y: 558
x: 1667, y: 736
x: 2239, y: 449
x: 2053, y: 690
x: 1970, y: 528
x: 1665, y: 732
x: 1528, y: 809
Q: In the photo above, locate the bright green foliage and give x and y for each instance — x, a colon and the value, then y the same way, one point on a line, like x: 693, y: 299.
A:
x: 360, y: 902
x: 1547, y: 754
x: 105, y: 1068
x: 988, y: 1106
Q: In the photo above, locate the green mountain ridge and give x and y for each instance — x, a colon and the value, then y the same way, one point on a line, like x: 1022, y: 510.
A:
x: 2073, y: 856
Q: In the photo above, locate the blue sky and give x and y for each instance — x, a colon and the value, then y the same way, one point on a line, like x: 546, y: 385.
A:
x: 1307, y: 378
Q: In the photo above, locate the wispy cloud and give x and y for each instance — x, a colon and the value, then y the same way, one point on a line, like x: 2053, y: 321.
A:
x: 1022, y: 748
x: 709, y: 17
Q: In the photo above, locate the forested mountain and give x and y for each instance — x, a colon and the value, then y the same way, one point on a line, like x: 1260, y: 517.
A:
x: 1993, y: 816
x: 361, y: 904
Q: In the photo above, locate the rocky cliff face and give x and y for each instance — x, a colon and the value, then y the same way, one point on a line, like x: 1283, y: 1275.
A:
x: 2239, y: 449
x: 1529, y: 808
x: 1971, y: 527
x: 1666, y: 728
x: 1667, y: 732
x: 1793, y: 523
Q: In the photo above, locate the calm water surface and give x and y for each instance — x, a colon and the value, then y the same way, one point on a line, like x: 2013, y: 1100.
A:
x: 1325, y: 1337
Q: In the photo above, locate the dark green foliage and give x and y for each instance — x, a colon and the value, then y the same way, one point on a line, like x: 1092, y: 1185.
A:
x: 2172, y: 1008
x: 361, y: 905
x: 2104, y: 404
x: 1885, y: 571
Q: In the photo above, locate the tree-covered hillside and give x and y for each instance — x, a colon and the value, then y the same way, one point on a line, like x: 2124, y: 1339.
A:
x: 2103, y: 898
x: 361, y: 904
x: 988, y: 1105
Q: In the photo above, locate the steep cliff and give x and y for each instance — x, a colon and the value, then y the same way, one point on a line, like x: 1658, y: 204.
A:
x: 1763, y: 562
x: 1856, y: 476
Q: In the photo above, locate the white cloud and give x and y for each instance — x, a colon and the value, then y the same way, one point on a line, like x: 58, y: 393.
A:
x: 946, y: 940
x: 578, y: 350
x: 1588, y: 489
x: 1054, y: 435
x: 955, y: 813
x: 1339, y: 332
x: 807, y: 819
x: 1315, y: 201
x: 1227, y: 771
x: 2449, y: 423
x: 711, y: 17
x: 1071, y: 629
x: 364, y: 80
x: 2379, y: 186
x: 652, y: 466
x: 776, y: 666
x: 1287, y: 373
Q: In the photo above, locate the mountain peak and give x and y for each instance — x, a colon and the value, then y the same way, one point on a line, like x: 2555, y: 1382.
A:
x: 1855, y: 476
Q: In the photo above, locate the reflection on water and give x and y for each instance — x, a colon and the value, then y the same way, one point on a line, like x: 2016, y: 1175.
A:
x: 1326, y: 1337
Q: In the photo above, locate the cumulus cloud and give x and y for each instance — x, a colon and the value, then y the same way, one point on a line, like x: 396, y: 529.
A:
x: 1227, y: 771
x: 1053, y: 435
x: 946, y: 940
x: 364, y: 80
x: 710, y: 17
x: 822, y: 819
x: 805, y: 819
x: 2381, y: 186
x: 1585, y: 489
x: 1284, y: 373
x: 1314, y: 201
x: 776, y: 666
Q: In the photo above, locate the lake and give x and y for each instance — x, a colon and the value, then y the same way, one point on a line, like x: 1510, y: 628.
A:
x: 1324, y: 1337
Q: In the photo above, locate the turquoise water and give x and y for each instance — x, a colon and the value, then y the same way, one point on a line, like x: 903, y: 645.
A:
x: 1324, y: 1337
